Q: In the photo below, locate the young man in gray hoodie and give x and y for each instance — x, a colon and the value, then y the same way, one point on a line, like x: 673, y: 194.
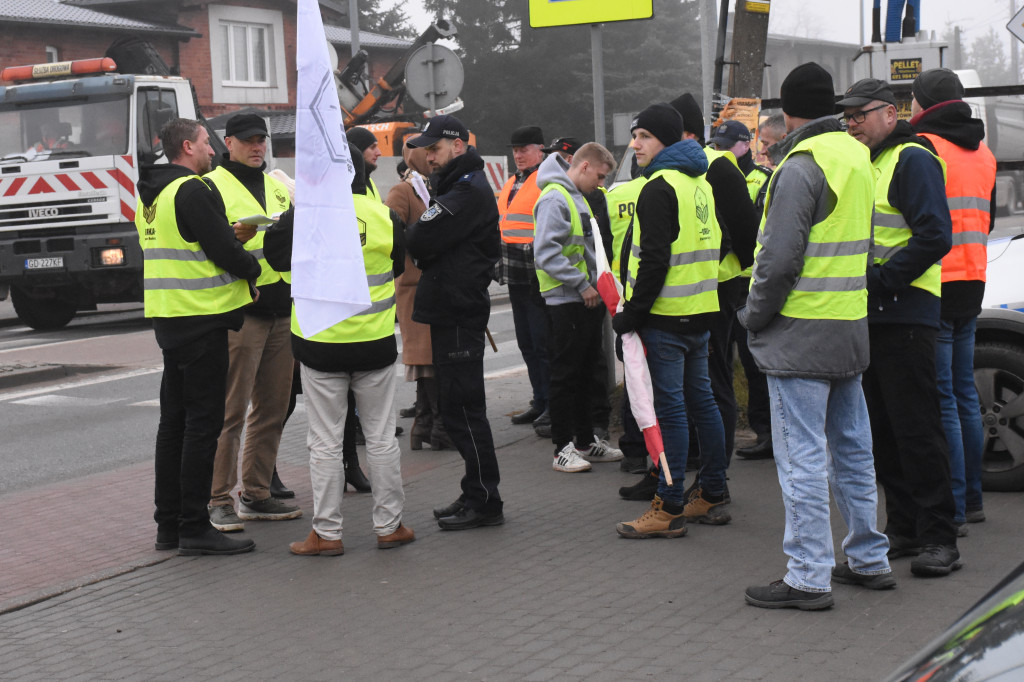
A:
x: 566, y: 263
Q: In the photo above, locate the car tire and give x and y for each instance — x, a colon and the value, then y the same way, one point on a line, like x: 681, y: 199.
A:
x: 45, y: 314
x: 999, y: 377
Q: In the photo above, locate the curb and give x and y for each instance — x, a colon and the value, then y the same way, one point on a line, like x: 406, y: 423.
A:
x: 16, y: 378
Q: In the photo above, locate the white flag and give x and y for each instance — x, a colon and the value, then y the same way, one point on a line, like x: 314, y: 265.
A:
x: 328, y: 277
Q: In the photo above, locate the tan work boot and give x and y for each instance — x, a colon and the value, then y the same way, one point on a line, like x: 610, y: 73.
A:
x: 315, y: 545
x: 403, y: 535
x: 702, y: 511
x: 655, y: 523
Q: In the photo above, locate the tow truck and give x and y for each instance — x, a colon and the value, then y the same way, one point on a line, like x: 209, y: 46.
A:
x: 72, y: 137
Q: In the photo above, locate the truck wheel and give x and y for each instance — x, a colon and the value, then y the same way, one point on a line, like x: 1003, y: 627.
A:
x: 999, y: 377
x: 45, y: 313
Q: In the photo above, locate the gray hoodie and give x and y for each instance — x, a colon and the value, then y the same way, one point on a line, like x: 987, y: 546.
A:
x: 789, y: 346
x: 553, y: 229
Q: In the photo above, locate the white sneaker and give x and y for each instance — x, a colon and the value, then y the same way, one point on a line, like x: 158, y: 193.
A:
x: 602, y: 451
x: 568, y: 460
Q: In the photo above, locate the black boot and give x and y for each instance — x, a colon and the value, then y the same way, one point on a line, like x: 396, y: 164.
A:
x: 423, y: 421
x: 278, y: 489
x: 644, y: 489
x: 354, y: 476
x: 439, y: 439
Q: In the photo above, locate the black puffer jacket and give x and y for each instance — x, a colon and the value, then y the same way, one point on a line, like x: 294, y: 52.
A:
x: 455, y: 243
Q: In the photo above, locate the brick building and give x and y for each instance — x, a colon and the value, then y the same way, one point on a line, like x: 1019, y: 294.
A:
x: 238, y: 54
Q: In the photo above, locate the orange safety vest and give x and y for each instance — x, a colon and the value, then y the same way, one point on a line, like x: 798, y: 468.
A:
x: 516, y: 218
x: 970, y: 177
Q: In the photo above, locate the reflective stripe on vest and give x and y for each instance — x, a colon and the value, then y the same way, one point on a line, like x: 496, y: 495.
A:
x: 178, y: 279
x: 516, y: 218
x: 575, y: 247
x: 691, y: 284
x: 833, y: 281
x: 891, y: 232
x: 970, y: 178
x: 621, y: 209
x: 377, y: 321
x: 240, y: 203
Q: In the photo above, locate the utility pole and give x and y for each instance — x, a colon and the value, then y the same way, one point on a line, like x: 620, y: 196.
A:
x: 708, y: 31
x: 353, y: 23
x: 597, y: 66
x: 749, y: 41
x: 1014, y: 64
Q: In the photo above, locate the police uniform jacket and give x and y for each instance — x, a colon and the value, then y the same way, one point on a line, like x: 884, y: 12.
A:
x: 456, y: 244
x: 201, y: 219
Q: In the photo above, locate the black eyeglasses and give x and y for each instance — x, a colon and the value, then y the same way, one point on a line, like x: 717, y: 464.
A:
x: 858, y: 117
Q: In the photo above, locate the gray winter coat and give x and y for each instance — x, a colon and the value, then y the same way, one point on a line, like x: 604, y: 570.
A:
x: 553, y: 229
x: 789, y: 346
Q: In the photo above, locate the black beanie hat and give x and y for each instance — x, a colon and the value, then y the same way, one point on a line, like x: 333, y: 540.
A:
x: 935, y: 86
x: 693, y: 117
x: 662, y: 121
x: 808, y: 92
x: 360, y: 137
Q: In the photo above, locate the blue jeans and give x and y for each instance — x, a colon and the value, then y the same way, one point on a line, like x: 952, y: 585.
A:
x: 822, y: 436
x: 679, y: 375
x: 961, y: 411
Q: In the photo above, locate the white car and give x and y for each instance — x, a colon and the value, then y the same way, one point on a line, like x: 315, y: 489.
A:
x: 999, y: 365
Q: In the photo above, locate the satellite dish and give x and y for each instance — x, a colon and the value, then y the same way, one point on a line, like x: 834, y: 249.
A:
x: 433, y: 76
x: 333, y: 54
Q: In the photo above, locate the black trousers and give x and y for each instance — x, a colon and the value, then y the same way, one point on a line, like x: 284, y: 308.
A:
x: 192, y: 394
x: 911, y: 455
x: 459, y: 364
x: 731, y: 295
x: 758, y: 411
x: 530, y: 317
x: 575, y: 346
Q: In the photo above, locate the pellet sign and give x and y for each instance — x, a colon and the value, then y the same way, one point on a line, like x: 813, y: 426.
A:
x: 904, y: 69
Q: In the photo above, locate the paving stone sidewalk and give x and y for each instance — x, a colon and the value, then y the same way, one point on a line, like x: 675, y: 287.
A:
x: 553, y: 594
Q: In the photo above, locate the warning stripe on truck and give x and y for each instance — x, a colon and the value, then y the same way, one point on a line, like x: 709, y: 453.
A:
x: 121, y: 178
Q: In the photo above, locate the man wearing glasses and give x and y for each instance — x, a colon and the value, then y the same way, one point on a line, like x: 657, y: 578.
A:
x: 912, y: 232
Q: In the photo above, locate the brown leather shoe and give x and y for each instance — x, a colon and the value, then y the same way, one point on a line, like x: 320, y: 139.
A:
x: 315, y: 545
x: 403, y: 535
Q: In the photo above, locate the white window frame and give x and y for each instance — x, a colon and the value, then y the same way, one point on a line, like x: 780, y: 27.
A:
x: 275, y: 88
x: 251, y: 61
x: 52, y: 55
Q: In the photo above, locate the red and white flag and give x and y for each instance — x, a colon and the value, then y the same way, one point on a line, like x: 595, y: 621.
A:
x: 634, y: 361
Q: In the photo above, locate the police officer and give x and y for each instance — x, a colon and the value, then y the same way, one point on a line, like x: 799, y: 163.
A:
x: 261, y: 363
x: 195, y: 278
x: 455, y: 243
x: 354, y: 356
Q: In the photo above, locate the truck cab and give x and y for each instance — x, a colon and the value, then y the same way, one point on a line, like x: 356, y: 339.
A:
x: 70, y: 149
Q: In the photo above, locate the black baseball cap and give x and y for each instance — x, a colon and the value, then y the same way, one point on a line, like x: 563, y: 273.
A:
x: 730, y: 132
x: 244, y: 126
x: 443, y: 127
x: 526, y: 135
x: 569, y: 145
x: 867, y: 90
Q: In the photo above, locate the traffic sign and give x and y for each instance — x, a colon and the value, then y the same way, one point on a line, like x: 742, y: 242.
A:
x: 568, y: 12
x: 1016, y: 25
